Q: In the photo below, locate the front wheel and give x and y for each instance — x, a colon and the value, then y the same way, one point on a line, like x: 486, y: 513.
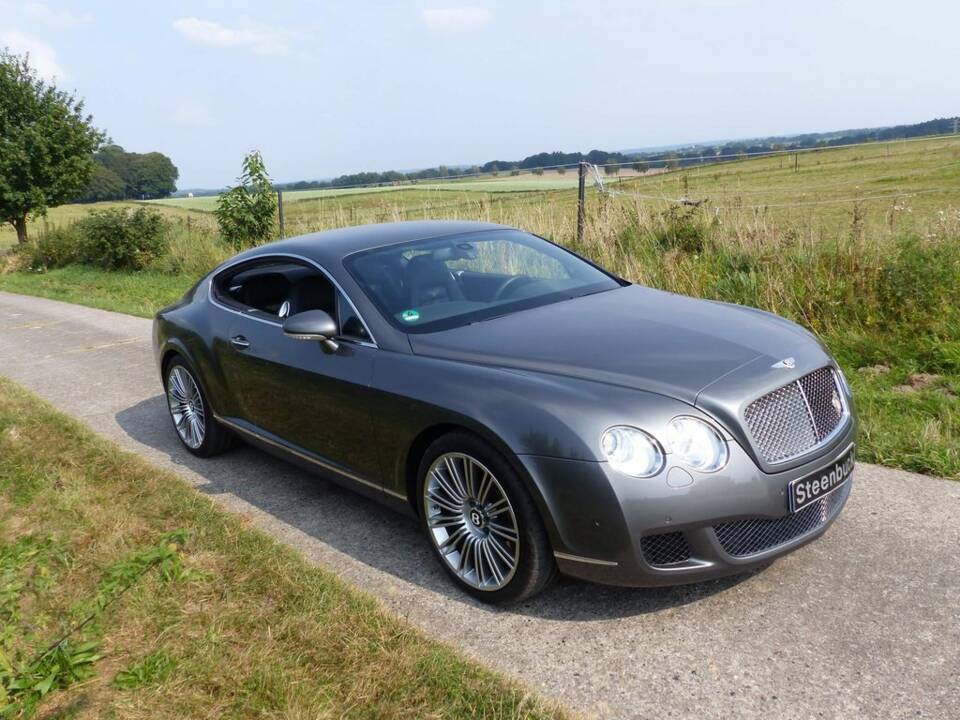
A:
x: 190, y: 411
x: 482, y: 522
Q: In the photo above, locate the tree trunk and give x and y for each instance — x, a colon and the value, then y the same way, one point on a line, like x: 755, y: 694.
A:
x: 20, y: 224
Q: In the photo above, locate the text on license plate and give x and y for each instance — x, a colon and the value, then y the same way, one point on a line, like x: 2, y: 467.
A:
x: 804, y: 491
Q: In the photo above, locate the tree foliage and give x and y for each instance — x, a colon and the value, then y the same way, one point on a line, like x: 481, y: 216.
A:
x: 46, y: 144
x: 121, y: 174
x: 105, y: 184
x: 245, y: 213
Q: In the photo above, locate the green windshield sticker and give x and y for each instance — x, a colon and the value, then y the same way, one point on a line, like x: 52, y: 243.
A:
x: 410, y: 315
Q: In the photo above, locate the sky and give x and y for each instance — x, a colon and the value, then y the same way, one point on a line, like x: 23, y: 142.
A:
x: 325, y: 88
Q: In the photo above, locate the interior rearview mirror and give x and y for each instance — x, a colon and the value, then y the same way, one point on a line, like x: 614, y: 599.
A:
x: 313, y: 325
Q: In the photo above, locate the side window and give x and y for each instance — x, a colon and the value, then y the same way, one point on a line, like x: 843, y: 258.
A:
x: 351, y: 326
x: 276, y: 288
x: 262, y: 287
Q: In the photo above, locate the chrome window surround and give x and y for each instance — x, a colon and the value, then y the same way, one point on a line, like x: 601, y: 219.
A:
x: 211, y: 296
x: 825, y: 440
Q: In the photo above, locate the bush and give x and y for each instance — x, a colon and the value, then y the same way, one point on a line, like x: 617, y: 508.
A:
x: 682, y: 228
x: 121, y: 239
x: 920, y: 284
x: 56, y: 247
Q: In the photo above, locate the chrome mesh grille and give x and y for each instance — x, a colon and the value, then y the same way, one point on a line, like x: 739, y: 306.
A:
x: 823, y: 397
x: 748, y: 537
x: 665, y: 549
x: 796, y: 417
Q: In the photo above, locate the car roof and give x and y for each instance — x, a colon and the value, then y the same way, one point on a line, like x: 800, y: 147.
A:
x: 331, y: 246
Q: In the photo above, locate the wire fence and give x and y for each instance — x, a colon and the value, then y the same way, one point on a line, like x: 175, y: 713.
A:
x: 689, y: 187
x: 679, y: 163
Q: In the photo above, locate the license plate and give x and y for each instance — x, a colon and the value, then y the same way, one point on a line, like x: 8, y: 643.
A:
x: 806, y: 490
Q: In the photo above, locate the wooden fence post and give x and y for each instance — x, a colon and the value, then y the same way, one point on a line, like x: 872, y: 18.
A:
x: 581, y: 199
x: 280, y: 211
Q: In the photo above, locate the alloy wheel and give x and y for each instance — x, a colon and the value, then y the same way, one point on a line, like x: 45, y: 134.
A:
x: 471, y: 521
x: 186, y: 407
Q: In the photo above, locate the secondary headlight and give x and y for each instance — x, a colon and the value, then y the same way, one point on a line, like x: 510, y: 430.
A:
x: 696, y: 444
x: 632, y: 451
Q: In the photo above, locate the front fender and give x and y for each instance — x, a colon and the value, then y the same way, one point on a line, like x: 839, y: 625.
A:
x: 528, y: 416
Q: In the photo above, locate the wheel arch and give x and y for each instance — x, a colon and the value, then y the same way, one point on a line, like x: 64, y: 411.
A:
x: 173, y: 347
x: 428, y: 435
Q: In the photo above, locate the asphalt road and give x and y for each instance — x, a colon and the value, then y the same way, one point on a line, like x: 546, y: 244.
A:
x: 864, y: 623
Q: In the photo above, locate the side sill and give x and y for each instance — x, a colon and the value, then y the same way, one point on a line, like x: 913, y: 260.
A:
x: 308, y: 457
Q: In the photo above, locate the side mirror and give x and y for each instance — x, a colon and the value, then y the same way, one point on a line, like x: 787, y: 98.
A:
x: 313, y: 325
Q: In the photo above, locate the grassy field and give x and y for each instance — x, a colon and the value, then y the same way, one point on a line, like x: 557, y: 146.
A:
x: 896, y: 186
x: 524, y: 182
x: 219, y: 620
x: 861, y: 245
x: 67, y: 214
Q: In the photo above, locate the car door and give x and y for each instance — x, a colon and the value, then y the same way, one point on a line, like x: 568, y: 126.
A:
x: 296, y: 392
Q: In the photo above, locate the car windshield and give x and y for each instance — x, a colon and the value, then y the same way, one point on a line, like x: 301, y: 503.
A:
x: 442, y: 283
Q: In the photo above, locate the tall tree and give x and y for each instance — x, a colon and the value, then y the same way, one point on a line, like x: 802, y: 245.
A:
x: 46, y: 144
x: 104, y: 185
x: 149, y: 175
x: 154, y: 174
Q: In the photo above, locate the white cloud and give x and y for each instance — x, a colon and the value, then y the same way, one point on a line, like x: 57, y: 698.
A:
x: 43, y: 58
x: 457, y: 19
x: 193, y: 114
x: 260, y: 39
x: 52, y: 17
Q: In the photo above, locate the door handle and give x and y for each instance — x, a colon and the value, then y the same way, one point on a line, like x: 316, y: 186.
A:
x: 239, y: 342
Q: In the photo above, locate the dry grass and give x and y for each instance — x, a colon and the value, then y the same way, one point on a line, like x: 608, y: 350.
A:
x: 246, y: 628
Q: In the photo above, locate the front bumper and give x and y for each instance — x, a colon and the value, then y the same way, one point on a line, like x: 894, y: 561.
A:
x: 680, y: 526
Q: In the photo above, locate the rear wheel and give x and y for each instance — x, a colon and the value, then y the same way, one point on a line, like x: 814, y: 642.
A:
x: 190, y: 411
x: 482, y: 522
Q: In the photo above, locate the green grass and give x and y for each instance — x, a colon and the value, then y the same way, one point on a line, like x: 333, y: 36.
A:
x: 861, y: 245
x: 908, y: 395
x: 134, y: 293
x: 219, y: 621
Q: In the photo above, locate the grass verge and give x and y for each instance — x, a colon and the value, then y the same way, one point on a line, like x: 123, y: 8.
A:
x: 135, y: 293
x: 219, y: 619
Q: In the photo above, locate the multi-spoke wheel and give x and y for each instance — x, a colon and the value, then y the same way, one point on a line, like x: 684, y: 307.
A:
x: 196, y: 427
x: 472, y: 521
x: 186, y: 407
x: 481, y: 521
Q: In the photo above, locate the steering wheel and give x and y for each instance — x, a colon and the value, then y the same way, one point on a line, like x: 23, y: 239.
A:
x: 510, y: 285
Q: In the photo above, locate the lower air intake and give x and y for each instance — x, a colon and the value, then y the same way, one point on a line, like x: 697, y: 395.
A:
x: 749, y: 537
x: 665, y: 549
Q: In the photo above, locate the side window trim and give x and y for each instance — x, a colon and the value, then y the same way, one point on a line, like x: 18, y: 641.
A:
x: 213, y: 294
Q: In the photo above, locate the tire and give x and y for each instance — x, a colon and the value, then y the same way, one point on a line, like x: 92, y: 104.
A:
x: 471, y: 515
x: 190, y: 411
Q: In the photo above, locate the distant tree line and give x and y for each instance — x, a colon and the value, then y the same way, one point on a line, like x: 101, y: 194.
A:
x: 686, y: 156
x: 121, y: 175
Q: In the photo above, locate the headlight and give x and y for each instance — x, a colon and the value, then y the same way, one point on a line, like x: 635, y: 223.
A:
x: 632, y: 451
x: 696, y: 444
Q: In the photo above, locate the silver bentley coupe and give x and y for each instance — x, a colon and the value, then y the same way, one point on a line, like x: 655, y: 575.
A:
x: 536, y: 413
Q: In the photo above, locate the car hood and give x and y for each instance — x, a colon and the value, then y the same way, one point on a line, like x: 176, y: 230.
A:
x: 633, y: 336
